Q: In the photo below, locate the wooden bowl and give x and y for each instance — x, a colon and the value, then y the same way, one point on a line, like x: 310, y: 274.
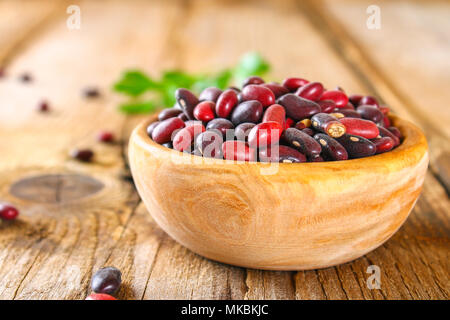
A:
x: 305, y: 216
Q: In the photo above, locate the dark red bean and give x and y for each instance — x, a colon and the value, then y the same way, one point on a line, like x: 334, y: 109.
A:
x: 91, y: 92
x: 383, y: 144
x: 280, y: 153
x: 238, y: 150
x: 331, y: 148
x: 311, y: 91
x: 357, y: 147
x: 247, y: 111
x: 348, y: 106
x: 262, y: 94
x: 242, y: 130
x: 293, y: 84
x: 354, y: 99
x: 302, y: 141
x: 359, y: 127
x: 300, y: 125
x: 368, y: 100
x: 162, y: 133
x: 105, y: 136
x: 298, y: 108
x: 386, y: 122
x: 226, y: 102
x: 316, y: 159
x: 395, y: 131
x: 288, y: 123
x: 185, y: 137
x: 183, y: 117
x: 225, y: 126
x: 106, y: 280
x: 328, y: 124
x: 209, y: 144
x: 265, y: 134
x: 151, y: 127
x: 204, y: 111
x: 169, y: 113
x: 252, y: 80
x: 327, y: 106
x: 8, y: 212
x: 349, y: 113
x: 309, y: 131
x: 371, y: 113
x: 84, y: 155
x: 277, y: 89
x: 187, y: 100
x: 387, y: 133
x: 275, y: 113
x: 339, y: 98
x: 100, y: 296
x: 210, y: 94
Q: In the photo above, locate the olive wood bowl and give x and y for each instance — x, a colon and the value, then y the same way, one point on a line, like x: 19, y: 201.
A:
x: 304, y: 216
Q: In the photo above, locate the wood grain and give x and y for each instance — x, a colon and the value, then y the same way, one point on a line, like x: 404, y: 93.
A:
x: 113, y: 227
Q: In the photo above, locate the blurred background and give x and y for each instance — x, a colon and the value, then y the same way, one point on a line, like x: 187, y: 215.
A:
x: 69, y: 54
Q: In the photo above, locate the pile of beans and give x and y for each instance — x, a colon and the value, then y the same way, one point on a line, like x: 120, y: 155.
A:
x: 296, y: 121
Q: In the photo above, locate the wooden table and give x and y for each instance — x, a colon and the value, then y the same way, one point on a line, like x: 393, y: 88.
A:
x: 76, y: 218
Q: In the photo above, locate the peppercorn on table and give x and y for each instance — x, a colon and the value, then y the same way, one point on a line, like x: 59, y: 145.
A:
x: 76, y: 217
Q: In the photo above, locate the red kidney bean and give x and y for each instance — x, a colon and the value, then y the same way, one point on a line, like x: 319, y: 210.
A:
x: 331, y: 148
x: 151, y: 127
x: 247, y: 111
x: 84, y: 155
x: 185, y: 137
x: 368, y: 100
x: 169, y: 113
x: 316, y: 159
x: 386, y: 122
x: 371, y: 113
x: 226, y: 102
x: 387, y: 133
x: 210, y: 94
x: 204, y: 111
x: 162, y: 133
x: 288, y: 123
x: 327, y: 106
x: 311, y: 91
x: 302, y: 141
x: 238, y: 150
x: 339, y: 98
x: 349, y: 113
x: 100, y: 296
x: 275, y: 113
x: 8, y: 212
x: 356, y: 146
x: 297, y: 107
x: 383, y: 144
x: 223, y: 125
x: 277, y: 89
x: 43, y: 106
x: 293, y: 84
x: 242, y: 130
x: 359, y: 127
x: 395, y: 132
x: 355, y: 99
x: 280, y: 153
x: 105, y: 136
x: 309, y: 131
x: 209, y: 144
x: 187, y: 100
x: 106, y: 280
x: 259, y: 93
x: 348, y: 106
x: 265, y: 134
x: 328, y: 124
x: 252, y: 80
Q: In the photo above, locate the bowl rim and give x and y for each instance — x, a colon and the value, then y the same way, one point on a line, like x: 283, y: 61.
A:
x: 411, y: 150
